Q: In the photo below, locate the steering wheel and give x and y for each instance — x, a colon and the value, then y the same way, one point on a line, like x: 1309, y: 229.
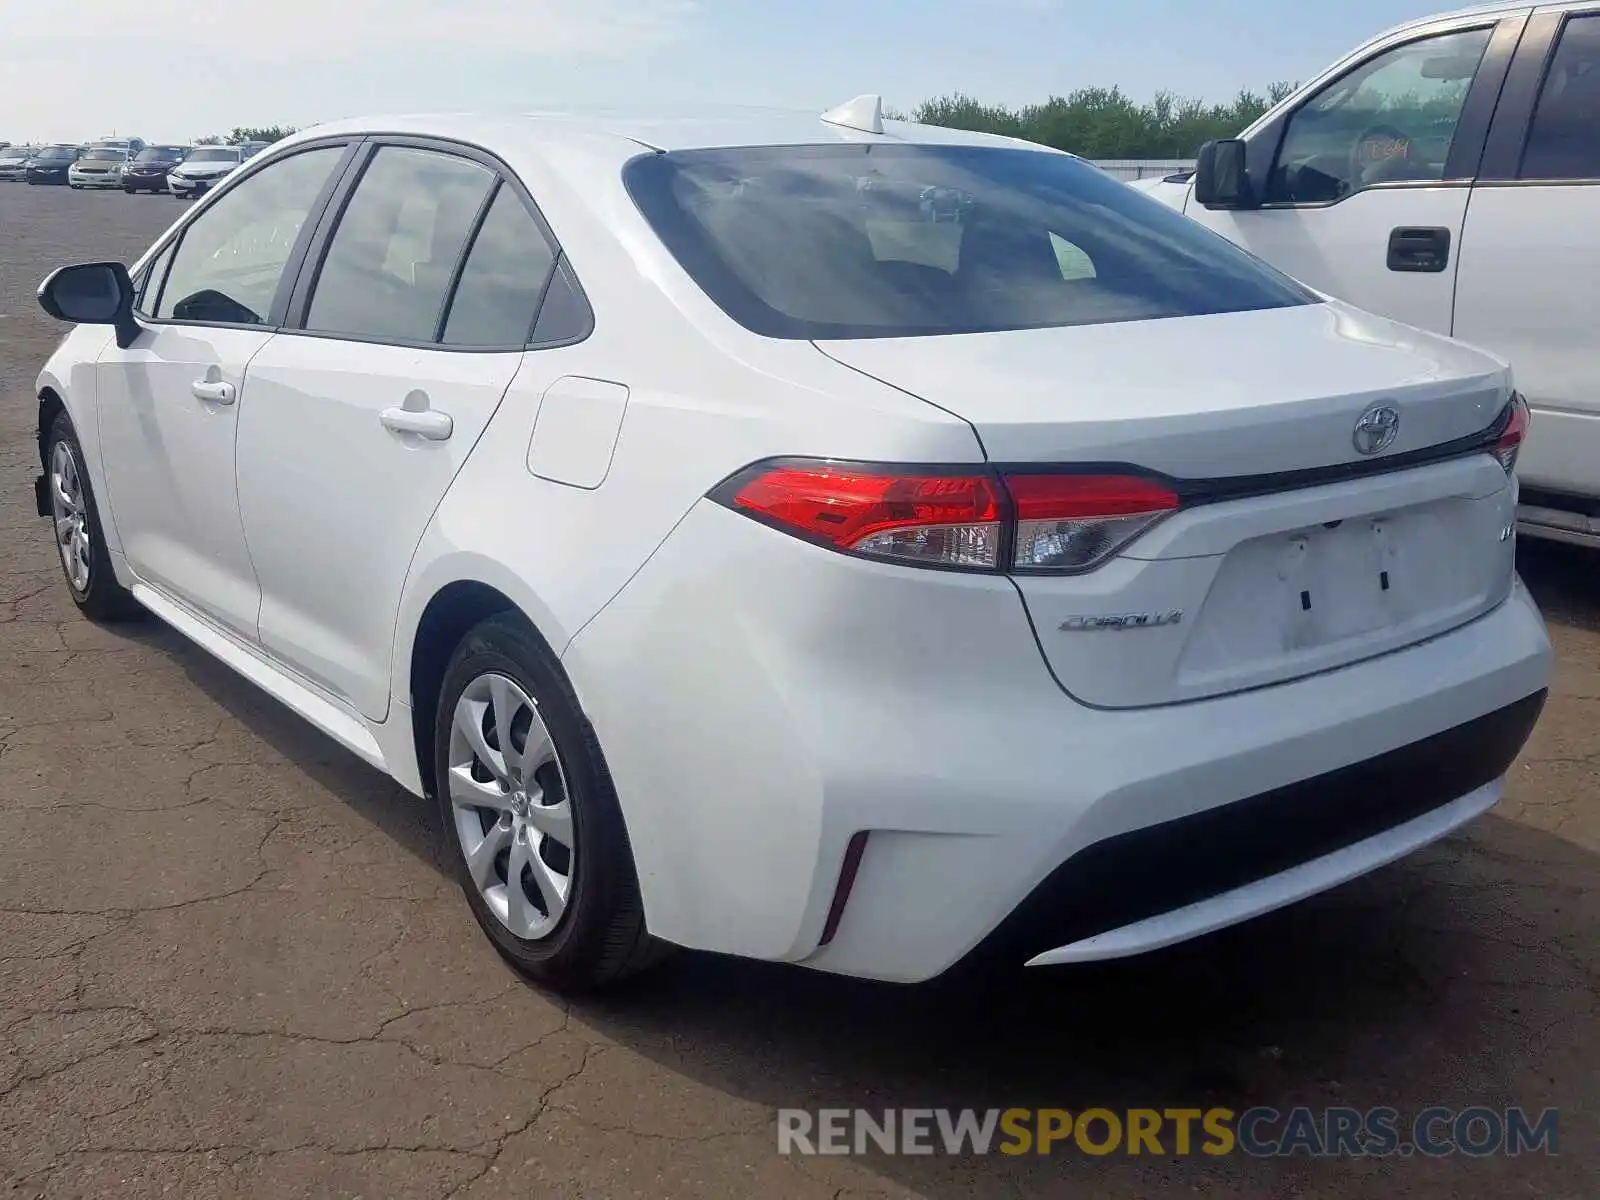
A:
x: 1377, y: 148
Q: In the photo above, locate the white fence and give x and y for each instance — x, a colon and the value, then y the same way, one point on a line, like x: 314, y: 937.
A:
x: 1143, y: 168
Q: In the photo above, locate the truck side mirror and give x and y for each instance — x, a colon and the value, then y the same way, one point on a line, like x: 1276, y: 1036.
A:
x: 1220, y: 177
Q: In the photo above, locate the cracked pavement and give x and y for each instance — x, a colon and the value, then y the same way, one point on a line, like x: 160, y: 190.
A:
x: 232, y: 965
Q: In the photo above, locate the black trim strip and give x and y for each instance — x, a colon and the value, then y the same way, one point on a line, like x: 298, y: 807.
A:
x: 1502, y: 153
x: 448, y: 302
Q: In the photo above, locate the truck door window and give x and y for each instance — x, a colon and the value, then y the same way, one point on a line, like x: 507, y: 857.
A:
x: 1564, y: 141
x: 1390, y: 119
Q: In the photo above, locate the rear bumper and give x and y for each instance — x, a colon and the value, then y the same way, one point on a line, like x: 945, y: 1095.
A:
x: 1157, y: 885
x: 762, y: 702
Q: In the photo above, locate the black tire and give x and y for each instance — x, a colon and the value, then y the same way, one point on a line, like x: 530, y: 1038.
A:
x: 601, y: 937
x: 102, y: 598
x: 129, y: 191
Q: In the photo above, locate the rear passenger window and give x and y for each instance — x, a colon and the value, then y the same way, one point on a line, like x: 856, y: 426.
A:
x: 394, y: 253
x: 564, y: 316
x: 1564, y: 140
x: 506, y: 271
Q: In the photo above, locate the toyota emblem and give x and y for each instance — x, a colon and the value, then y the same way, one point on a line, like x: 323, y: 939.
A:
x: 1377, y: 429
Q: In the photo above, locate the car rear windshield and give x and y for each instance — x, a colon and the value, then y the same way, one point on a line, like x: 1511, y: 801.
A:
x: 863, y: 241
x: 214, y: 155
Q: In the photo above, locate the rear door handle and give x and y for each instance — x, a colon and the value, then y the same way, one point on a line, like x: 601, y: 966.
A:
x: 425, y: 423
x: 1419, y: 248
x: 217, y: 391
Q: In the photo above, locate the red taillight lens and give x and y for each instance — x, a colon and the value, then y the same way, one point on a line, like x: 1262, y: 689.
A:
x: 1074, y: 522
x: 942, y: 520
x: 1512, y: 436
x: 1037, y: 522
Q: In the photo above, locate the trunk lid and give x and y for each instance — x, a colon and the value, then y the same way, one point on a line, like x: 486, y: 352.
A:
x: 1245, y: 586
x: 1195, y: 397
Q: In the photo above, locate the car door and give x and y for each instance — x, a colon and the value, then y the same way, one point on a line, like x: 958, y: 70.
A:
x: 1528, y: 286
x: 1362, y: 186
x: 169, y: 404
x: 412, y: 329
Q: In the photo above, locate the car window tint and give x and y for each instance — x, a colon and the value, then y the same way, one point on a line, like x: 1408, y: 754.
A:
x: 564, y: 315
x: 862, y: 241
x: 231, y: 257
x: 1391, y: 119
x: 394, y: 253
x: 1564, y: 142
x: 505, y: 274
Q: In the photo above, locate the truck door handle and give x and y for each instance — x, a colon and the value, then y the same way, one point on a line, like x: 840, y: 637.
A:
x: 424, y: 422
x: 217, y: 391
x: 1419, y: 248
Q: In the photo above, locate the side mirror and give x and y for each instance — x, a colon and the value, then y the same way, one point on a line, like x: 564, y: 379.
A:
x: 92, y: 294
x: 1220, y: 177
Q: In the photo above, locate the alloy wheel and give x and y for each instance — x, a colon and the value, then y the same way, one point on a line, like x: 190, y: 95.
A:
x: 512, y: 811
x: 71, y: 515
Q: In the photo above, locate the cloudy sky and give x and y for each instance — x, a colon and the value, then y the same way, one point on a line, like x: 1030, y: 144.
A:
x: 176, y: 69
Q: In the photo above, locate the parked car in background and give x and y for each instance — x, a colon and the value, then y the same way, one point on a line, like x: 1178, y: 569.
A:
x: 250, y: 149
x: 14, y: 162
x: 147, y: 171
x: 1444, y: 174
x: 202, y: 169
x: 129, y: 146
x: 984, y: 559
x: 98, y: 167
x: 51, y: 163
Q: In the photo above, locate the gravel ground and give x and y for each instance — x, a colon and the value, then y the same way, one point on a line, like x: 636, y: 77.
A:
x: 231, y: 964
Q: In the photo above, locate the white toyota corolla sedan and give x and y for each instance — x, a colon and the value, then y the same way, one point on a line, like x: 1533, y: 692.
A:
x: 833, y: 540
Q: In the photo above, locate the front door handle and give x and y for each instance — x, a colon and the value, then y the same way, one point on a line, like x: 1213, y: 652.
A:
x: 425, y: 423
x: 1419, y: 248
x: 217, y: 391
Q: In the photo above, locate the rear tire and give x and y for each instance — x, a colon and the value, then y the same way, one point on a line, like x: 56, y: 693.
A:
x: 543, y: 820
x: 80, y: 538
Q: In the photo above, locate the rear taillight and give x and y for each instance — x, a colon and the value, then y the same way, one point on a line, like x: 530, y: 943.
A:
x: 931, y: 519
x: 974, y: 521
x: 1515, y: 432
x: 1074, y: 522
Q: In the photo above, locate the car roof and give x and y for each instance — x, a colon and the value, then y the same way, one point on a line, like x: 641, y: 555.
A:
x: 1455, y: 14
x: 658, y: 129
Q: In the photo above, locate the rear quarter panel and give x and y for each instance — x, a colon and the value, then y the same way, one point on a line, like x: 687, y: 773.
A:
x: 705, y: 398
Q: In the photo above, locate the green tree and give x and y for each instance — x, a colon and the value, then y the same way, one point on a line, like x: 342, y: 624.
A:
x: 259, y: 133
x: 1103, y: 122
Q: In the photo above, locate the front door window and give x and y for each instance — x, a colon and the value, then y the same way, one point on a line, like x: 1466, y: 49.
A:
x: 1392, y: 119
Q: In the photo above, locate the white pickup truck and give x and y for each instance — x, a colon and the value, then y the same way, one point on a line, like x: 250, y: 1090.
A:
x: 1447, y: 174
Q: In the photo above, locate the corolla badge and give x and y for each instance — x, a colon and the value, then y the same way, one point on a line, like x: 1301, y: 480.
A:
x: 1147, y: 620
x: 1377, y: 429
